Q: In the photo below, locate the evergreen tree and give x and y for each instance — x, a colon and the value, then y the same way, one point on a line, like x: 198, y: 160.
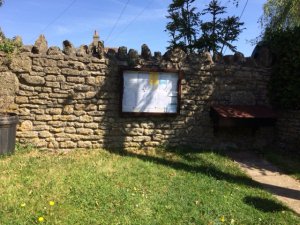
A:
x: 219, y: 32
x: 191, y: 34
x: 210, y: 30
x: 183, y: 25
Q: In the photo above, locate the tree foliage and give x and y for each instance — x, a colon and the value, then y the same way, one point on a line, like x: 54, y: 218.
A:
x: 219, y: 32
x: 189, y: 32
x: 285, y: 79
x: 183, y: 25
x: 281, y: 14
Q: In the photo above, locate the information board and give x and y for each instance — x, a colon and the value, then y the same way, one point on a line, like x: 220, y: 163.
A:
x: 150, y: 92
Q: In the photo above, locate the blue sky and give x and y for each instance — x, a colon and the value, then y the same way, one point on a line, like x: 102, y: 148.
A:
x: 141, y: 21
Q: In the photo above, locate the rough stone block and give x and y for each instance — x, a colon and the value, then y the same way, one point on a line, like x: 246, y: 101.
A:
x: 79, y: 96
x: 26, y: 126
x: 65, y: 117
x: 50, y: 78
x: 45, y: 134
x: 134, y: 131
x: 72, y: 72
x: 151, y: 144
x: 38, y: 101
x: 38, y: 111
x: 54, y: 111
x: 53, y: 50
x: 86, y: 119
x: 77, y: 80
x: 71, y: 64
x: 96, y: 67
x: 92, y: 138
x: 35, y: 80
x: 40, y: 45
x: 90, y: 94
x: 52, y: 70
x: 57, y: 123
x: 67, y: 144
x: 39, y: 143
x: 60, y: 78
x: 85, y: 131
x: 56, y: 130
x: 68, y: 109
x: 91, y: 107
x: 20, y: 64
x: 84, y: 144
x: 27, y: 134
x: 91, y: 125
x: 43, y: 117
x: 21, y: 99
x: 37, y: 69
x: 42, y: 127
x: 52, y: 84
x: 44, y: 62
x: 79, y: 113
x: 53, y: 145
x: 47, y: 89
x: 141, y: 138
x: 96, y: 113
x: 70, y: 130
x: 90, y: 80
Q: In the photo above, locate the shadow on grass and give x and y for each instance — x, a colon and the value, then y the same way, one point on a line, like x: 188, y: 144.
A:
x: 188, y: 156
x: 208, y: 170
x: 263, y: 204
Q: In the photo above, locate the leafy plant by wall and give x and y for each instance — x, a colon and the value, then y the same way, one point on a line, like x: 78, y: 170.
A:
x: 284, y: 86
x: 9, y: 45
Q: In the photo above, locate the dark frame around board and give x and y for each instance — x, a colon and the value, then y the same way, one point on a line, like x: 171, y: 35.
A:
x: 148, y: 114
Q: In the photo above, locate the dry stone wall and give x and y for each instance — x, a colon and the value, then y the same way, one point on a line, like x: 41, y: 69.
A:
x: 70, y: 99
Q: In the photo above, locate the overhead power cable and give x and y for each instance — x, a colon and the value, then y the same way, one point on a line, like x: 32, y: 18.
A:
x: 134, y: 19
x: 117, y: 21
x: 56, y: 18
x: 243, y: 9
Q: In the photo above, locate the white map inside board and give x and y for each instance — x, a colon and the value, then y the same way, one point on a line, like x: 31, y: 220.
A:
x: 152, y: 92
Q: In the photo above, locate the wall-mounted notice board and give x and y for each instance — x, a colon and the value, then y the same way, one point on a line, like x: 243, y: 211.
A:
x: 150, y: 92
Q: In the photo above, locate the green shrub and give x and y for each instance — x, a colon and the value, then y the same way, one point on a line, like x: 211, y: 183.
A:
x: 9, y: 45
x: 284, y: 88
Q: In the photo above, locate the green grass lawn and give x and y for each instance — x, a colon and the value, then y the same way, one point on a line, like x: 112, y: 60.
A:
x: 101, y: 187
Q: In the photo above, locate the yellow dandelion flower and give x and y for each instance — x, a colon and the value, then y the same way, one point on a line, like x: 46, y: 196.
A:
x: 222, y: 219
x: 41, y: 219
x: 23, y: 204
x: 51, y: 203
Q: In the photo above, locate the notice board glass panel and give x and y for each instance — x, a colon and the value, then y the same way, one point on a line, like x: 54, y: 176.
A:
x: 150, y: 92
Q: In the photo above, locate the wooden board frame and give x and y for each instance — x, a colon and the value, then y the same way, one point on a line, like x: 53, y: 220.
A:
x: 148, y: 114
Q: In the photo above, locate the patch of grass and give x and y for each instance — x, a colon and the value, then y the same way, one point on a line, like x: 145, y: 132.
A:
x: 289, y: 162
x: 101, y: 187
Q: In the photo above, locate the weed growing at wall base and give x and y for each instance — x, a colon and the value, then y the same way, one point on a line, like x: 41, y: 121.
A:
x: 100, y: 187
